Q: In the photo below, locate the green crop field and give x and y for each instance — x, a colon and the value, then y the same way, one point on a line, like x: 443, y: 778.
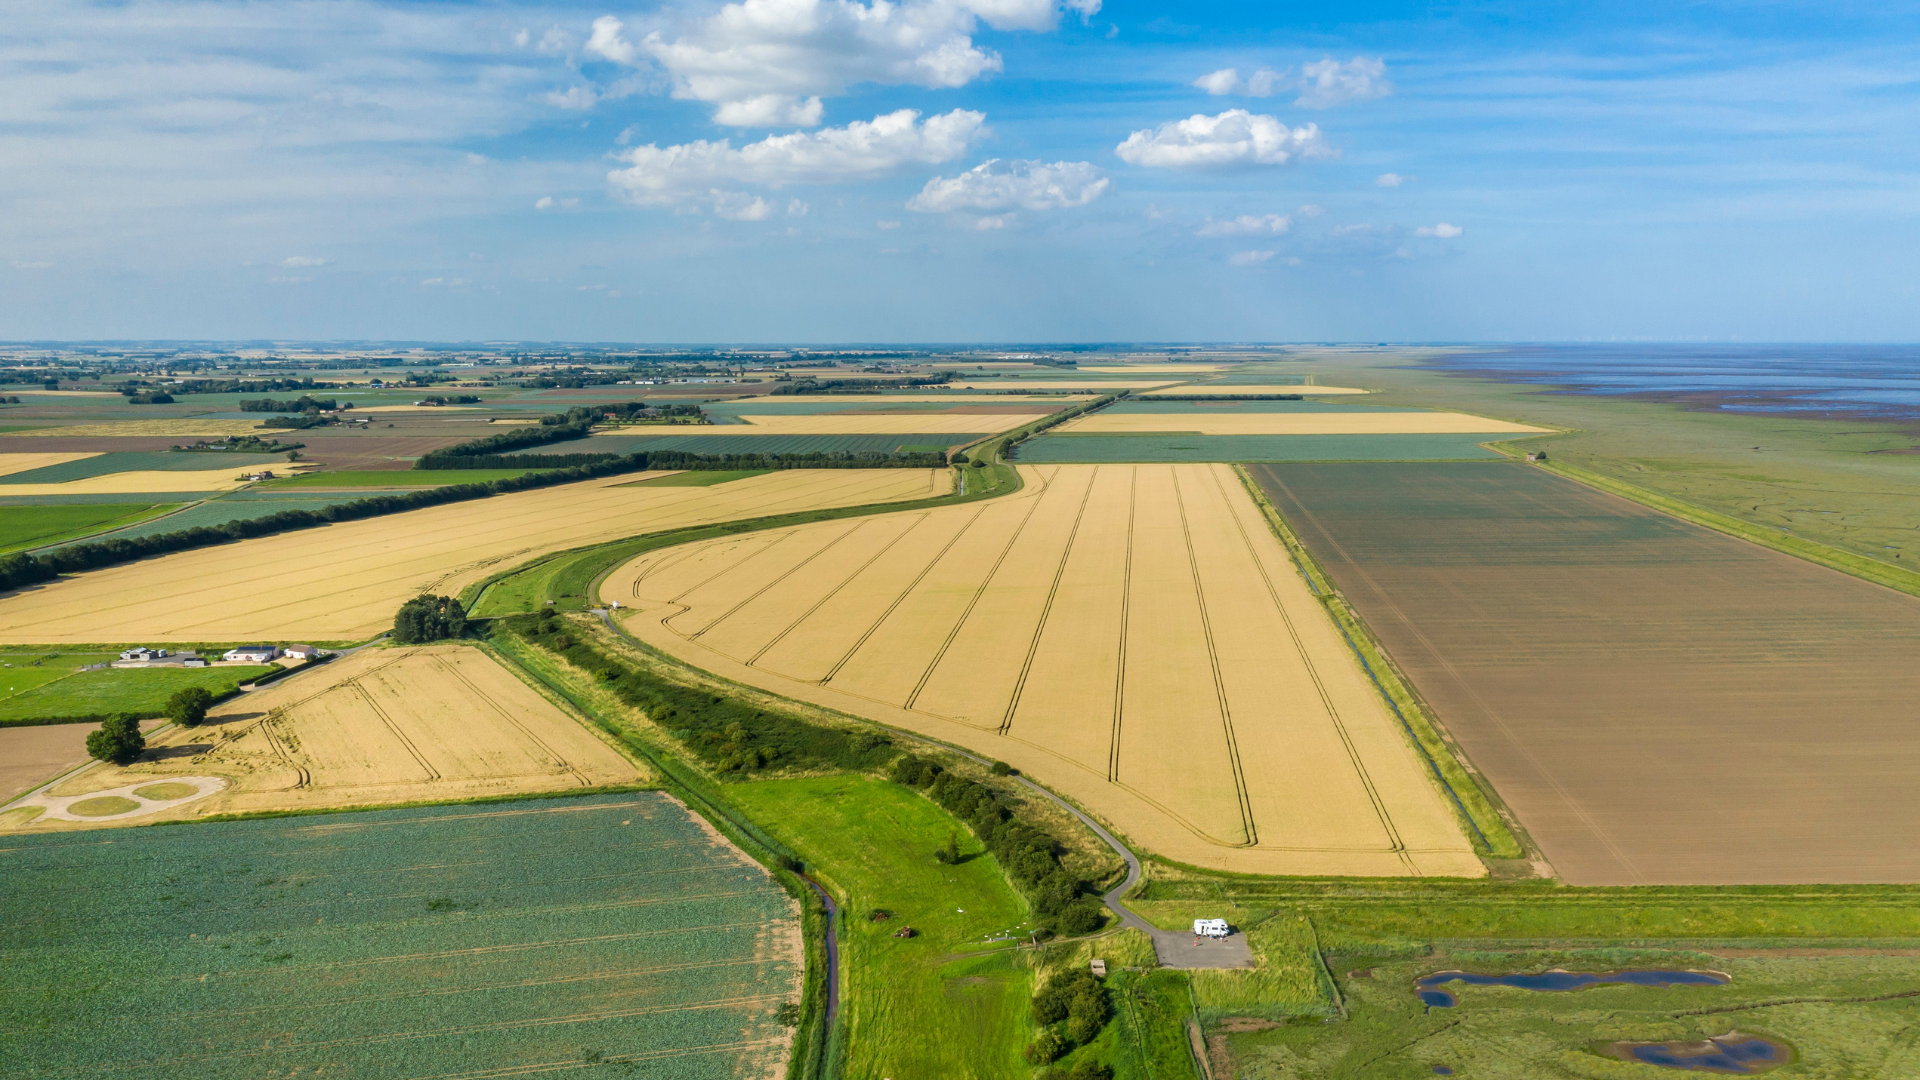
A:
x: 914, y: 1007
x: 606, y: 935
x: 218, y: 511
x: 32, y: 526
x: 1154, y: 447
x: 704, y: 478
x: 137, y: 461
x: 83, y: 695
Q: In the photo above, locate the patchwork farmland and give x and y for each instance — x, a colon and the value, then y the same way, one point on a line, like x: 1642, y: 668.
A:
x: 507, y: 939
x: 1134, y: 637
x: 344, y: 581
x: 1658, y: 702
x: 380, y: 726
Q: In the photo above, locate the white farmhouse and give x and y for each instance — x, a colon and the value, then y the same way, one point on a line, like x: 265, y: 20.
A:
x: 252, y: 654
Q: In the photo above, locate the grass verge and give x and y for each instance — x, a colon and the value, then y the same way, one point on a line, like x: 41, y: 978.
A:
x: 37, y: 526
x: 1486, y: 823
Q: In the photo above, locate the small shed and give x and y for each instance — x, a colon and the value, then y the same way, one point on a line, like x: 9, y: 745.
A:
x: 1098, y: 967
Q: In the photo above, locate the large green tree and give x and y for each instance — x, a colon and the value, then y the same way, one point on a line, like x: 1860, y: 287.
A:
x: 118, y: 740
x: 189, y: 706
x: 429, y: 618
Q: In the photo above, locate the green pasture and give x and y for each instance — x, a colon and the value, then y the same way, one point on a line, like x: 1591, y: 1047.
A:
x: 1848, y: 484
x: 35, y: 526
x: 407, y: 478
x: 84, y: 695
x: 915, y: 1006
x: 607, y: 935
x: 1178, y: 447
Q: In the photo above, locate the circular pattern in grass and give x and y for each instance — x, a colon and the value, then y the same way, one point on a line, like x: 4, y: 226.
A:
x: 166, y: 792
x: 102, y: 807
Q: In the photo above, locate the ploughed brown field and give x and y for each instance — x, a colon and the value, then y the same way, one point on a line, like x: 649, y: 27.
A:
x: 1659, y: 703
x: 1134, y: 636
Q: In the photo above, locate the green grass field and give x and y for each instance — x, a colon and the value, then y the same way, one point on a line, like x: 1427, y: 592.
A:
x: 34, y: 526
x: 916, y: 1006
x: 750, y: 444
x: 602, y: 935
x: 81, y: 695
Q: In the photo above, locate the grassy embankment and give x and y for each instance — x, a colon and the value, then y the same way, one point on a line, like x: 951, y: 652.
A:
x: 56, y: 692
x: 1844, y: 493
x: 36, y: 526
x: 1482, y: 817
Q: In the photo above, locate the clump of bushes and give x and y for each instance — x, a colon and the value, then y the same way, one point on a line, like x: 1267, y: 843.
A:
x: 1070, y: 1010
x: 729, y: 735
x: 1029, y: 855
x: 429, y: 618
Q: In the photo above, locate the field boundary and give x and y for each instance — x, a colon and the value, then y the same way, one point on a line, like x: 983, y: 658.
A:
x: 603, y: 558
x: 1863, y: 567
x: 1493, y: 826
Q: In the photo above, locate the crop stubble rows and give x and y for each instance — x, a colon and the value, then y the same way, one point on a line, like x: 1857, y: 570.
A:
x: 1134, y: 636
x: 1659, y: 703
x: 344, y: 581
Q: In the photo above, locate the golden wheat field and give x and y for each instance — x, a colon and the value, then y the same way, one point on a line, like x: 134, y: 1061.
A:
x: 157, y: 481
x: 1097, y: 385
x: 1213, y: 422
x: 19, y: 463
x: 343, y: 582
x: 1133, y: 636
x: 379, y: 726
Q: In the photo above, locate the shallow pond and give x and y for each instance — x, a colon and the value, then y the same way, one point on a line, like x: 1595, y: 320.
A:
x: 1434, y: 998
x: 1730, y: 1054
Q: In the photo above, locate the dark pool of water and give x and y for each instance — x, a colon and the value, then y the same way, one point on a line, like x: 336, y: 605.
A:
x: 1737, y: 1055
x: 1433, y: 997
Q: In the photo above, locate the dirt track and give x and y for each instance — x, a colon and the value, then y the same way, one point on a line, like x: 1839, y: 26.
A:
x: 1660, y: 703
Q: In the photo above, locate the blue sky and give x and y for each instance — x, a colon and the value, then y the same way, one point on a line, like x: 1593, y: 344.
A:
x: 960, y: 170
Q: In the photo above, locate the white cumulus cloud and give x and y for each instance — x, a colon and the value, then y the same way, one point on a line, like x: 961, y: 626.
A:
x: 863, y: 150
x: 996, y: 221
x: 1234, y: 137
x: 737, y: 206
x: 1329, y: 82
x: 1026, y: 185
x: 1264, y: 82
x: 1248, y: 225
x: 544, y: 202
x: 767, y: 62
x: 1443, y: 230
x: 295, y: 262
x: 1390, y: 180
x: 1249, y: 258
x: 576, y: 98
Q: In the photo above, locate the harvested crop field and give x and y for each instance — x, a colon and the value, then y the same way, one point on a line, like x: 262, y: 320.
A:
x: 555, y: 935
x: 343, y: 582
x: 1659, y: 703
x: 1222, y: 422
x: 30, y: 756
x: 1049, y: 447
x: 1135, y: 637
x: 10, y: 464
x: 1212, y: 389
x: 381, y: 726
x: 89, y: 466
x: 372, y: 449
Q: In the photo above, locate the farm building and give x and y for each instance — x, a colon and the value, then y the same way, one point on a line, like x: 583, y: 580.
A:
x: 253, y: 654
